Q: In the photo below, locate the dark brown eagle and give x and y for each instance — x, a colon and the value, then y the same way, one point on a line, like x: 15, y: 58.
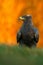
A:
x: 28, y: 34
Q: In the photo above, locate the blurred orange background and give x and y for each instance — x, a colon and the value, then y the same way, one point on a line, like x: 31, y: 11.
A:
x: 10, y: 10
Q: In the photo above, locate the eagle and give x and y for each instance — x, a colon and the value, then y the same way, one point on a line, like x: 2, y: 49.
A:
x: 28, y: 34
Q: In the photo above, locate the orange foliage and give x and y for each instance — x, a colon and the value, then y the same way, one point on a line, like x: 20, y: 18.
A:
x: 10, y: 10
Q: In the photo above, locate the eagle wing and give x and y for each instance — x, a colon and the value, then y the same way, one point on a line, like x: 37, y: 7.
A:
x: 36, y: 36
x: 18, y: 36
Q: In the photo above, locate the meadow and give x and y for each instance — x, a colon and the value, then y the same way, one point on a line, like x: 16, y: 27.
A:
x: 15, y: 55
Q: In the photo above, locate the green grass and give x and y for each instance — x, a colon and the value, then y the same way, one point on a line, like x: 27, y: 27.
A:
x: 15, y: 55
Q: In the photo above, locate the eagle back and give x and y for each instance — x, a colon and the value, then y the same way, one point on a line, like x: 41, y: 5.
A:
x: 27, y: 31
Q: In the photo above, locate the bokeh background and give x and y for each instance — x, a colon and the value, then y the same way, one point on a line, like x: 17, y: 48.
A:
x: 10, y: 10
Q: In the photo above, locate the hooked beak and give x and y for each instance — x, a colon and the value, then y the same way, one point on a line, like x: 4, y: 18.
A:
x: 21, y: 18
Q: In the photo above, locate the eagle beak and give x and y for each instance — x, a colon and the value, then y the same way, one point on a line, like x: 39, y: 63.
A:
x: 21, y: 18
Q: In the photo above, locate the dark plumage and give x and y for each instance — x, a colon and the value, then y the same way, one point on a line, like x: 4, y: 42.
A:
x: 28, y: 34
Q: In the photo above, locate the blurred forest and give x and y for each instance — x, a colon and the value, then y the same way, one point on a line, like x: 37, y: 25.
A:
x: 10, y: 10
